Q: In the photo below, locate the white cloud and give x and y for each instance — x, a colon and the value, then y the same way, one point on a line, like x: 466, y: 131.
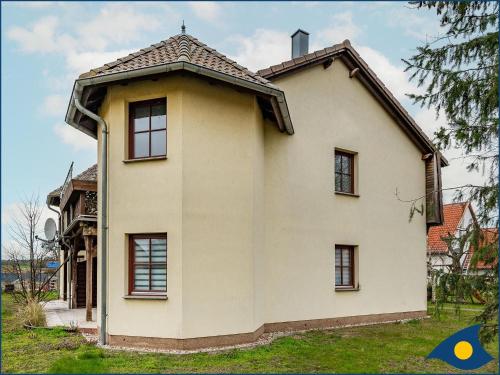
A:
x: 13, y: 212
x: 413, y: 23
x: 41, y: 37
x: 81, y: 62
x: 206, y: 10
x: 75, y: 138
x: 342, y: 27
x: 54, y: 105
x: 116, y: 23
x: 10, y: 212
x: 393, y: 76
x: 262, y: 49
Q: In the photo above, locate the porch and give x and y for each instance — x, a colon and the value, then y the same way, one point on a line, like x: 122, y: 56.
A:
x: 59, y: 315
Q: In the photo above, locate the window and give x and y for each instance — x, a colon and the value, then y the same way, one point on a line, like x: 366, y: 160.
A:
x: 148, y: 263
x: 344, y: 172
x: 148, y: 129
x: 344, y: 266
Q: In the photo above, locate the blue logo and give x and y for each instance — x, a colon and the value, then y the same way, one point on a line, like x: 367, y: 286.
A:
x: 462, y: 350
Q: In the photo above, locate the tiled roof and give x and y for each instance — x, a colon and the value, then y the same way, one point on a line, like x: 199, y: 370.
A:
x: 90, y: 174
x: 179, y: 48
x: 488, y: 236
x: 303, y: 60
x: 452, y: 216
x: 56, y: 192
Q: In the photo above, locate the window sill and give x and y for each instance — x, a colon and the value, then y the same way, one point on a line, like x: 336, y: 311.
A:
x: 346, y: 289
x: 162, y: 297
x: 126, y: 161
x: 347, y: 194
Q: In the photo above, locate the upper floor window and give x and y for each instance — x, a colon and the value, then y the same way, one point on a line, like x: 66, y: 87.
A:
x: 148, y: 263
x: 148, y: 129
x: 344, y: 172
x: 344, y: 266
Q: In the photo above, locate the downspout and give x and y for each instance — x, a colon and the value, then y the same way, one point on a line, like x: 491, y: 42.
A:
x: 60, y: 226
x: 103, y: 213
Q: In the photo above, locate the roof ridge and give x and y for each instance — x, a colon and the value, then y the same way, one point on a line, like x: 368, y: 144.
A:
x: 227, y: 59
x: 184, y: 48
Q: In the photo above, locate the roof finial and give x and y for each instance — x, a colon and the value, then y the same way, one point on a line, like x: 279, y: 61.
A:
x: 183, y: 28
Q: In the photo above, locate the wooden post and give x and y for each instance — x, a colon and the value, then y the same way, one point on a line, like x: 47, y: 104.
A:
x: 66, y: 278
x: 88, y: 280
x: 88, y: 234
x: 73, y: 276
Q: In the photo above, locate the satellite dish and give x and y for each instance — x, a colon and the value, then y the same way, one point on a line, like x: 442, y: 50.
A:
x: 50, y: 229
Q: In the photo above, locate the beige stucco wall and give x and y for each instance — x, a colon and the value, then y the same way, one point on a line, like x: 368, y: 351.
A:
x: 305, y: 218
x: 144, y: 197
x: 251, y: 213
x: 204, y: 196
x: 222, y: 194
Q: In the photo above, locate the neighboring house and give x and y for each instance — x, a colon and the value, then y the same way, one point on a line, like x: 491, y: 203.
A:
x: 488, y: 238
x: 274, y: 193
x: 10, y: 274
x: 458, y: 217
x: 77, y: 203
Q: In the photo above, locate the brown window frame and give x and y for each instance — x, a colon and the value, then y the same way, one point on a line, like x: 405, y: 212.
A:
x: 342, y: 173
x: 132, y: 263
x: 351, y: 266
x: 131, y: 130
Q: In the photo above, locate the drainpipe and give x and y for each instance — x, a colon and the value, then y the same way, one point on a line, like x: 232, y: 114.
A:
x: 59, y: 223
x: 103, y: 213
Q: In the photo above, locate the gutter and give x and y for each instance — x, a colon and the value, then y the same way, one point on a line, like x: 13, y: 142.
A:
x: 268, y: 90
x: 103, y: 211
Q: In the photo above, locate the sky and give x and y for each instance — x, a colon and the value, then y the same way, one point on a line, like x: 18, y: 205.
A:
x: 46, y: 45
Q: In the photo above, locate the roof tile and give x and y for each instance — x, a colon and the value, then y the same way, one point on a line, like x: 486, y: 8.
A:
x: 90, y: 174
x: 173, y: 50
x: 488, y: 236
x: 452, y: 216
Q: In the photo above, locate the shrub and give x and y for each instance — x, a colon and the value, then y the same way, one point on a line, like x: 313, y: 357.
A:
x: 33, y: 315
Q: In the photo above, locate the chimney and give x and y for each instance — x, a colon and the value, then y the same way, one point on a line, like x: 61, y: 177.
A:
x: 300, y: 43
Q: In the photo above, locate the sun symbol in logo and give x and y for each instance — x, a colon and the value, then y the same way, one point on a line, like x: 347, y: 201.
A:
x: 463, y: 350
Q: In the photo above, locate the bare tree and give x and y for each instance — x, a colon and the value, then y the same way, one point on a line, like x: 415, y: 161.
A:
x: 26, y: 258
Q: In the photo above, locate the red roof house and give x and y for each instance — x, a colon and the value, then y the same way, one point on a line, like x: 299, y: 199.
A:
x: 455, y: 217
x: 488, y: 236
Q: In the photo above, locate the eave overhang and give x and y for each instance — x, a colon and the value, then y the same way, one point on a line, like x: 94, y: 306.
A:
x: 91, y: 91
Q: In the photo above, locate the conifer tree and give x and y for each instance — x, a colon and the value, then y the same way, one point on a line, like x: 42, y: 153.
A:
x: 459, y: 72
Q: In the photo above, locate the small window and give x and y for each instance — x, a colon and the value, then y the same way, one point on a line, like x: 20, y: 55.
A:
x: 344, y: 266
x: 148, y: 129
x: 344, y: 172
x: 148, y: 263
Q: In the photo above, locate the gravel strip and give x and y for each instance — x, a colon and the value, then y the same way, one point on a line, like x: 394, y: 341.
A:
x: 264, y: 339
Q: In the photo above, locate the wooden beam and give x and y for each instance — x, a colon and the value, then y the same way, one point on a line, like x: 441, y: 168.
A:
x: 89, y: 230
x: 327, y: 63
x: 88, y: 282
x: 73, y: 276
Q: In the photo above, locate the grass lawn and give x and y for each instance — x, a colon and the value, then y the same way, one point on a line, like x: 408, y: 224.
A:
x: 462, y: 306
x: 396, y: 348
